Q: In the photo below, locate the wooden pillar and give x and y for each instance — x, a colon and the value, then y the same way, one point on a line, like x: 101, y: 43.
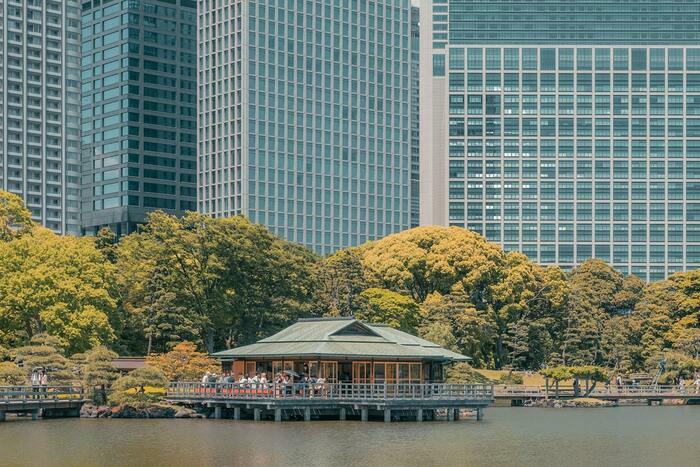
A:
x: 343, y: 414
x: 364, y: 414
x: 278, y: 415
x: 479, y: 413
x: 307, y: 414
x: 419, y: 415
x: 217, y: 412
x: 236, y: 413
x: 387, y: 415
x: 256, y: 415
x: 457, y: 414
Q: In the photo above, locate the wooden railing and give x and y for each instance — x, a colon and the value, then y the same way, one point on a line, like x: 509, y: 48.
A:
x: 567, y: 391
x: 329, y: 391
x: 14, y: 394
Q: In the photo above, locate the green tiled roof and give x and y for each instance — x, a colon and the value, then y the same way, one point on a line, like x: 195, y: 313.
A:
x: 342, y: 338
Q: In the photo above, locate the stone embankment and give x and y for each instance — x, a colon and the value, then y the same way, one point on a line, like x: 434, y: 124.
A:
x: 125, y: 411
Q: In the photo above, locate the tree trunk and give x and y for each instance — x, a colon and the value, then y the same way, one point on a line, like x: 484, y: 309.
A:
x: 209, y: 341
x: 591, y: 389
x: 556, y: 390
x: 150, y: 341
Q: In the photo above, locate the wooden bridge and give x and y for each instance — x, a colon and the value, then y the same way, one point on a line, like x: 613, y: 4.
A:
x: 47, y: 401
x: 335, y: 400
x: 518, y: 394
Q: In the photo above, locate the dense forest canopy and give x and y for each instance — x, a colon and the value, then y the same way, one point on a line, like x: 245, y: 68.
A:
x: 226, y: 282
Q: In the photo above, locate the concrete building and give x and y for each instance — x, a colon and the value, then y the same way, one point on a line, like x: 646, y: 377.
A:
x: 305, y: 117
x: 565, y: 129
x: 40, y: 109
x: 139, y: 107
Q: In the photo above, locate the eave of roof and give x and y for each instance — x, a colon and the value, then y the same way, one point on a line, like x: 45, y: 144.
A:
x: 318, y: 338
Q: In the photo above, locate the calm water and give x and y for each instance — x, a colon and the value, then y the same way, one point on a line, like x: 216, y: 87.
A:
x: 623, y: 436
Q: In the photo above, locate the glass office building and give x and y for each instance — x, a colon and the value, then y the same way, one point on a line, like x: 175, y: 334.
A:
x: 139, y: 110
x: 415, y: 113
x: 305, y: 117
x: 40, y: 109
x: 565, y: 129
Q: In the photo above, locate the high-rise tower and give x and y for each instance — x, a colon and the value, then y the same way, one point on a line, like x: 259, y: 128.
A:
x: 565, y: 129
x: 305, y: 116
x: 40, y: 109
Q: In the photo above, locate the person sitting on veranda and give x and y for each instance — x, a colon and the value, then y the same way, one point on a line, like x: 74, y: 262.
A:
x: 205, y: 378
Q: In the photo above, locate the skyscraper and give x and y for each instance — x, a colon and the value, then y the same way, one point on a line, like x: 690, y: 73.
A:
x: 40, y: 109
x: 139, y: 106
x: 305, y: 116
x: 415, y: 116
x: 565, y: 129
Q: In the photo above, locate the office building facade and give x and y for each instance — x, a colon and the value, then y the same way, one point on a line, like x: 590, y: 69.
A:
x: 40, y: 109
x: 305, y: 117
x: 565, y: 129
x: 139, y: 107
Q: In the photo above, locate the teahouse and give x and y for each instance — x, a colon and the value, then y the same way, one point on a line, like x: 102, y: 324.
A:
x: 339, y: 368
x: 343, y: 350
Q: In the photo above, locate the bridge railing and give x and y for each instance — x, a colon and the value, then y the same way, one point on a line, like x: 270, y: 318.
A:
x: 566, y: 391
x: 13, y: 394
x: 329, y: 391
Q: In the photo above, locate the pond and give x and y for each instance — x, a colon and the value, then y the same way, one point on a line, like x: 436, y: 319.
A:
x: 620, y: 436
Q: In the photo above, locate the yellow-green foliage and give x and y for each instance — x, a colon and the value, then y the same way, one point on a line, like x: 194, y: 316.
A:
x: 11, y: 374
x: 58, y: 285
x: 183, y: 363
x: 140, y: 388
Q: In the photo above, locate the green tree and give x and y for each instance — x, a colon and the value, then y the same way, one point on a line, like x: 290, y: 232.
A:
x: 45, y: 352
x: 106, y: 243
x: 55, y: 285
x: 167, y: 323
x: 183, y: 363
x: 556, y: 374
x: 240, y: 281
x: 394, y: 309
x: 342, y: 281
x: 11, y: 374
x: 588, y: 373
x: 140, y: 388
x: 99, y: 372
x: 15, y: 218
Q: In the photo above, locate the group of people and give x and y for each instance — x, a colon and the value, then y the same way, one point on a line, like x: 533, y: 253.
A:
x: 39, y: 377
x: 260, y: 381
x: 681, y: 384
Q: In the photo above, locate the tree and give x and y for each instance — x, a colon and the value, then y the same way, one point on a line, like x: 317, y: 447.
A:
x: 424, y: 260
x: 99, y: 371
x: 394, y: 309
x: 45, y: 352
x: 240, y: 281
x: 106, y: 243
x: 471, y: 330
x: 588, y: 373
x: 342, y: 281
x: 167, y: 323
x: 139, y: 388
x: 183, y: 363
x: 556, y: 374
x: 56, y: 285
x: 11, y: 374
x: 15, y: 218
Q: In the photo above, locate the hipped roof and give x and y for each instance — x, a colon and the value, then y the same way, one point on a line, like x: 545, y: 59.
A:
x: 342, y: 338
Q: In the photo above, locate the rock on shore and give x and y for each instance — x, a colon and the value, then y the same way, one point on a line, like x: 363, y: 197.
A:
x: 125, y: 411
x: 578, y: 402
